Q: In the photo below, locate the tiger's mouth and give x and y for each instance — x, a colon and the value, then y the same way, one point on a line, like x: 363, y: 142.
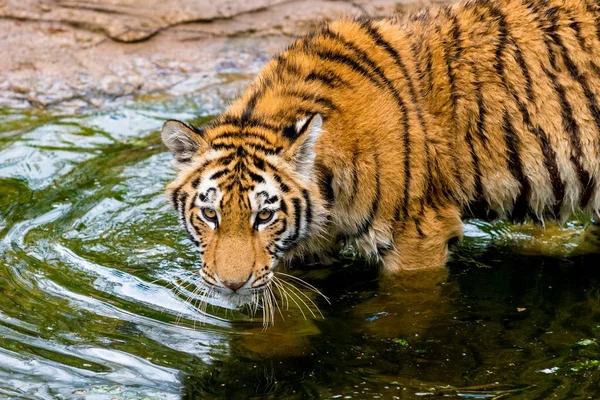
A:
x: 241, y: 298
x: 245, y: 295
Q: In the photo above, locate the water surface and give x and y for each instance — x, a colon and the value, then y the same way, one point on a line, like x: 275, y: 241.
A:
x: 90, y: 254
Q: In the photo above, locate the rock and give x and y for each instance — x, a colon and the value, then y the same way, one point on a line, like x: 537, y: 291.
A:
x: 61, y: 53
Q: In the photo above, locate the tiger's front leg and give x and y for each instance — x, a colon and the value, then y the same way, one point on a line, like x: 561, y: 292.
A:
x: 421, y: 241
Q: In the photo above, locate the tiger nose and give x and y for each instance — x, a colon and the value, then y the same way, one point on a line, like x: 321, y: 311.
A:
x: 234, y: 285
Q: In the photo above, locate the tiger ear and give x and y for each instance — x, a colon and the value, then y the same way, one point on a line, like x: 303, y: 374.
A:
x: 301, y: 153
x: 183, y: 141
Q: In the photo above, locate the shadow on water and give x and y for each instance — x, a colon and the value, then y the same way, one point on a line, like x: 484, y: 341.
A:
x: 90, y: 254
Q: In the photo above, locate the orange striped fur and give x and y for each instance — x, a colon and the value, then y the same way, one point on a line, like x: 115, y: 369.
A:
x: 385, y: 134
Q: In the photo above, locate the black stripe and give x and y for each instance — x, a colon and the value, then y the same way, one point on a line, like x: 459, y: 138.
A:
x: 182, y: 219
x: 174, y: 198
x: 290, y: 132
x: 367, y: 221
x: 256, y: 177
x: 308, y: 214
x: 290, y: 241
x: 196, y: 182
x: 595, y: 67
x: 480, y: 131
x: 558, y: 187
x: 520, y: 209
x: 194, y: 226
x: 247, y: 113
x: 418, y: 227
x: 310, y: 97
x: 259, y: 163
x: 524, y: 70
x: 283, y: 64
x: 283, y: 206
x: 342, y: 59
x: 271, y: 200
x: 502, y: 40
x: 325, y: 184
x: 283, y: 227
x: 242, y: 135
x: 550, y: 162
x: 576, y: 27
x: 237, y: 122
x: 271, y: 150
x: 452, y: 52
x: 246, y: 117
x: 328, y: 78
x: 401, y: 209
x: 219, y: 174
x: 355, y: 177
x: 428, y: 69
x: 284, y: 188
x: 478, y: 186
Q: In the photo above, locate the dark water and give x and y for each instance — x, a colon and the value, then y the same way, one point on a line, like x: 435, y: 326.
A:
x: 90, y: 253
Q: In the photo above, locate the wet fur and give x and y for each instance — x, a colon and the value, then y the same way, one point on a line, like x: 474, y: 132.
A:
x: 483, y: 109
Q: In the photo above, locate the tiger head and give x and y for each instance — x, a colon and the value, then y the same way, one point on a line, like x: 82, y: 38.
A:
x: 245, y: 193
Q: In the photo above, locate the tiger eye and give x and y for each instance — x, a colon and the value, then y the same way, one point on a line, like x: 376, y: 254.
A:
x: 264, y: 215
x: 209, y: 214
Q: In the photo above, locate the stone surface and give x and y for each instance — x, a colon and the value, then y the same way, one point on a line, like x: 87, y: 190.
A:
x: 85, y: 53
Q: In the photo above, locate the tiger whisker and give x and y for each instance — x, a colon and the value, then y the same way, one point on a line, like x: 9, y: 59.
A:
x: 283, y: 294
x: 297, y: 291
x: 277, y: 303
x: 183, y: 290
x: 292, y: 298
x: 193, y: 297
x: 271, y: 306
x: 264, y: 310
x: 306, y: 284
x: 293, y: 294
x: 180, y: 291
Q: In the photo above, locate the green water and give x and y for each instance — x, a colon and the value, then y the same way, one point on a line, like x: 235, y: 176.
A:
x: 90, y: 253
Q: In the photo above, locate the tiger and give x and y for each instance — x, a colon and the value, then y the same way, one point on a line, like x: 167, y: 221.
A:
x: 385, y: 134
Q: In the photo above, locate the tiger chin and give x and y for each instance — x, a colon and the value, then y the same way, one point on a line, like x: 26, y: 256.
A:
x: 386, y: 134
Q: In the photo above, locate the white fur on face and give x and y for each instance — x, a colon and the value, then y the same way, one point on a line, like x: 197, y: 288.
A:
x: 264, y: 197
x: 209, y: 196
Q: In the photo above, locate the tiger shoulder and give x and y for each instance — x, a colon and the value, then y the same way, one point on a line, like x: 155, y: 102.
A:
x: 386, y: 134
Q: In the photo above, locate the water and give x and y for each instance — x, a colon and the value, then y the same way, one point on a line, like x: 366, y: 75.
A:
x: 90, y: 253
